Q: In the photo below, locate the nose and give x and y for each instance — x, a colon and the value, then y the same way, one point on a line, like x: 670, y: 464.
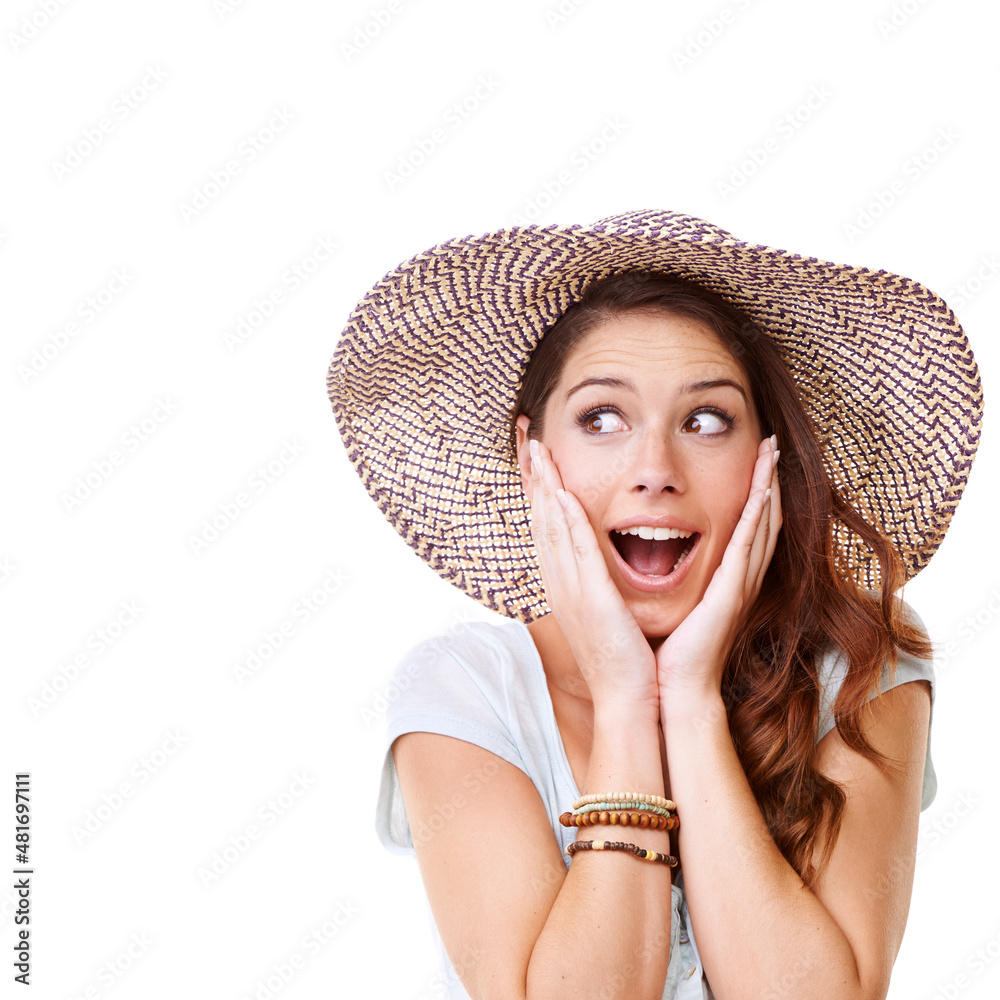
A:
x: 656, y: 465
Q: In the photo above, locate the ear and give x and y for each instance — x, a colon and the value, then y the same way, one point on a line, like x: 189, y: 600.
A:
x: 523, y: 454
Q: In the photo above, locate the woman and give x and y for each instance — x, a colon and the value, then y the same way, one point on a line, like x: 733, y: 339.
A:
x: 709, y: 534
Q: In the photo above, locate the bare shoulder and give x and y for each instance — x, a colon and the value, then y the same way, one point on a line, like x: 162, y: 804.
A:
x: 897, y: 724
x: 868, y: 882
x: 490, y: 883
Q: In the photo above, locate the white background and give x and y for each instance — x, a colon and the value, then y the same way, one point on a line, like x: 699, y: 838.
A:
x: 597, y: 91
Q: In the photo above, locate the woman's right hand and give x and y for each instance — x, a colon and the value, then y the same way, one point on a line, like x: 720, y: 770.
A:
x: 613, y: 655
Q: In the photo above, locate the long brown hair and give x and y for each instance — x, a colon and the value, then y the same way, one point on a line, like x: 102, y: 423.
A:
x: 808, y: 601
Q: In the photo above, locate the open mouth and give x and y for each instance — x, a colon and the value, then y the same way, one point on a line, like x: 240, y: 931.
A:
x: 650, y: 556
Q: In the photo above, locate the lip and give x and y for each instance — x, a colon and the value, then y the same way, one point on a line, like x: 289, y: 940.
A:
x: 656, y: 584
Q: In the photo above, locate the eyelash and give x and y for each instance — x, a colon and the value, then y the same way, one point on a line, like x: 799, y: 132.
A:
x: 585, y: 416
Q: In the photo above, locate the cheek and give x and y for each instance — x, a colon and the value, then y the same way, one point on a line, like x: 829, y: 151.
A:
x: 590, y: 482
x: 731, y: 489
x: 590, y: 489
x: 594, y: 475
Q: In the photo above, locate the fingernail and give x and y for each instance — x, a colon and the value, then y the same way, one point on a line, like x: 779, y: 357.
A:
x: 561, y: 494
x: 774, y: 459
x: 533, y: 448
x: 767, y: 495
x: 774, y: 441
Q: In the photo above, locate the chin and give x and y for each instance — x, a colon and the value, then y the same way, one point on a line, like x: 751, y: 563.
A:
x: 657, y: 623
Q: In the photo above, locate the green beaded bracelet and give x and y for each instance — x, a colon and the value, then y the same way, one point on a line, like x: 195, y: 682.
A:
x: 652, y: 800
x: 621, y: 806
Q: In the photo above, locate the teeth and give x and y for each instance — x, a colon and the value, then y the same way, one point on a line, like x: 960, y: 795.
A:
x: 677, y: 533
x: 658, y: 534
x: 681, y: 558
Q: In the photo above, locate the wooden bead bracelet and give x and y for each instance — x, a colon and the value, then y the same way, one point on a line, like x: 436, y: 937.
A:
x: 617, y: 845
x: 645, y: 820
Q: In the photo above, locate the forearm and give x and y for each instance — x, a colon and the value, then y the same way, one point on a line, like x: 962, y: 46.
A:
x: 608, y: 932
x: 757, y: 923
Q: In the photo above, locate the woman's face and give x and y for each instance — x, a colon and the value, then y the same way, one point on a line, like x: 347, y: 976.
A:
x: 652, y: 424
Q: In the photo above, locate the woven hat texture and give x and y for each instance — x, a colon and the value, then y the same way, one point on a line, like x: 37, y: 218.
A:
x: 431, y: 360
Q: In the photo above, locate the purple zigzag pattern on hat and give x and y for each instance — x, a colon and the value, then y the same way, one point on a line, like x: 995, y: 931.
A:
x: 466, y: 314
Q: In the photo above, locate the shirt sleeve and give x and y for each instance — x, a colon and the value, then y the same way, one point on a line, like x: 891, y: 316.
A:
x: 451, y: 685
x: 908, y: 668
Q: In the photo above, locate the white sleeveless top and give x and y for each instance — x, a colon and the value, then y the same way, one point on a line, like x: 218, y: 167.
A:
x: 485, y: 684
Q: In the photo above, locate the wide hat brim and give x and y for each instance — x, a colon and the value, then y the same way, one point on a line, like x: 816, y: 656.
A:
x: 429, y: 365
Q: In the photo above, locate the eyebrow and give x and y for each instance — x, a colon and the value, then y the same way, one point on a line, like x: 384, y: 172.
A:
x: 627, y: 385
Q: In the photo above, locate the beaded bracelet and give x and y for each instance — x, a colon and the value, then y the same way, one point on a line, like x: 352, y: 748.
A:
x: 617, y: 845
x: 642, y: 819
x: 652, y: 800
x: 622, y: 805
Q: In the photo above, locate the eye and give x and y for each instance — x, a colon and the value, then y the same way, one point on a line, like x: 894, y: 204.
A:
x: 708, y: 422
x: 601, y: 420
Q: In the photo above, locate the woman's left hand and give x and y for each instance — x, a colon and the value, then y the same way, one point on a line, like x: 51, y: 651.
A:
x: 690, y: 661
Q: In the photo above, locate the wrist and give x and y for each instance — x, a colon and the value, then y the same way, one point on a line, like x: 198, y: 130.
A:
x: 698, y: 708
x: 616, y: 711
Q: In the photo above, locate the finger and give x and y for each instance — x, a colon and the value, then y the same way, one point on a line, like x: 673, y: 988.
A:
x: 555, y: 538
x: 539, y: 520
x: 586, y: 550
x: 537, y: 498
x: 757, y: 565
x: 761, y: 480
x: 774, y: 524
x: 736, y: 560
x: 763, y: 544
x: 733, y: 572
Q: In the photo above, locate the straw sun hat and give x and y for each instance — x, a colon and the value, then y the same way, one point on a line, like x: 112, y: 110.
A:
x: 431, y: 360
